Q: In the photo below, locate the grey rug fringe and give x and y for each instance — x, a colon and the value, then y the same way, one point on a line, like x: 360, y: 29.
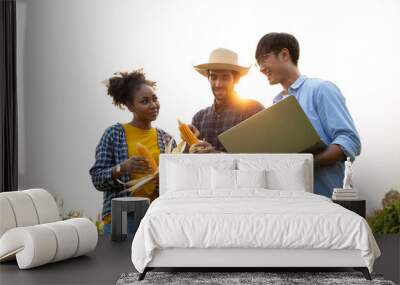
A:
x: 244, y: 278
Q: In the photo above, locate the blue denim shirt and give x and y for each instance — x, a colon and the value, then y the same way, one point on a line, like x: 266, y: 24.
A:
x: 325, y: 107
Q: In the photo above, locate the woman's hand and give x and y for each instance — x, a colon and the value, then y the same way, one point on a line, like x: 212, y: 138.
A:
x: 136, y: 164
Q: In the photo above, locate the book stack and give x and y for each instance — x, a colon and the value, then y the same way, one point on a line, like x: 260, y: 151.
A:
x: 344, y: 194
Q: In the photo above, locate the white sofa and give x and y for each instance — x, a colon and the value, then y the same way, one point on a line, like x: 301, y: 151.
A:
x: 32, y: 232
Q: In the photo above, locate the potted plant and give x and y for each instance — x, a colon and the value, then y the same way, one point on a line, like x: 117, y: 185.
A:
x: 385, y: 224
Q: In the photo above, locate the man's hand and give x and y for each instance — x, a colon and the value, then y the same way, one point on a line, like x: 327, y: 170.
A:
x: 330, y: 155
x: 194, y: 130
x: 202, y: 147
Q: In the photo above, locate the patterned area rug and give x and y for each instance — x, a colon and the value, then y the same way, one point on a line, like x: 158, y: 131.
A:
x: 270, y: 278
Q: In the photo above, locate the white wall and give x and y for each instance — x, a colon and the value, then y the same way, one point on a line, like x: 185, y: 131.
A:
x: 65, y: 48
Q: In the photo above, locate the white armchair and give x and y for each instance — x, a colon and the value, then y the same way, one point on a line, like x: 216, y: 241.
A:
x: 31, y: 230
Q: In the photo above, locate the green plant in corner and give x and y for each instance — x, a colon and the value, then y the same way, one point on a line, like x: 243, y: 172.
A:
x: 75, y: 214
x: 390, y: 197
x: 387, y: 220
x: 79, y: 214
x: 99, y: 224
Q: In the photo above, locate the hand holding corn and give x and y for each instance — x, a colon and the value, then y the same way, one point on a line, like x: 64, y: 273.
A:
x: 194, y: 130
x: 202, y: 147
x: 187, y: 134
x: 135, y: 164
x: 144, y: 152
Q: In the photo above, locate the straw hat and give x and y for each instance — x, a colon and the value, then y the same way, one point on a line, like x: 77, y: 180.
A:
x: 222, y: 59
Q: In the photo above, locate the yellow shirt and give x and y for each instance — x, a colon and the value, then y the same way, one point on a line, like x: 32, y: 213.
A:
x: 147, y: 138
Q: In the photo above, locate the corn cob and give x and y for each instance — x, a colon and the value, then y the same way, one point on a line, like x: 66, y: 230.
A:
x: 144, y: 151
x: 187, y: 134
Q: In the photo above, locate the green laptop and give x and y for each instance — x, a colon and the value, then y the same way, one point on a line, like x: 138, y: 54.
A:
x: 282, y: 128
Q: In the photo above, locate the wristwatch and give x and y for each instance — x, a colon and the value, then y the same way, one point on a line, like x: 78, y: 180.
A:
x: 118, y: 171
x: 118, y: 168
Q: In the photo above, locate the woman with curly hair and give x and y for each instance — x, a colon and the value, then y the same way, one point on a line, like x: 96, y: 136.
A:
x: 117, y: 159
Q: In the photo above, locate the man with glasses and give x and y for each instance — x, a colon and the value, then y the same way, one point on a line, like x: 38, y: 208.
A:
x: 277, y: 55
x: 223, y: 73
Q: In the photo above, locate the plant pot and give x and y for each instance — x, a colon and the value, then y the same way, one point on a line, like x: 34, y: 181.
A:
x: 388, y: 263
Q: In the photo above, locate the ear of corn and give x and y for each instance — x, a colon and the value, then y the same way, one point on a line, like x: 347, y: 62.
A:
x: 187, y: 134
x: 138, y: 183
x: 144, y: 151
x: 169, y: 147
x: 180, y: 148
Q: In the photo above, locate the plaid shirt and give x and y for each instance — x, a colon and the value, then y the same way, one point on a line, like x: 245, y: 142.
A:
x: 214, y: 120
x: 112, y: 150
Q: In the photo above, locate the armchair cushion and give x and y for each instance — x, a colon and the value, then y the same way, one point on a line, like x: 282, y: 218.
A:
x: 31, y: 230
x: 40, y: 244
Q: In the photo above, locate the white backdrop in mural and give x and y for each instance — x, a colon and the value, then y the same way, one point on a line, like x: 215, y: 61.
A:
x: 65, y: 48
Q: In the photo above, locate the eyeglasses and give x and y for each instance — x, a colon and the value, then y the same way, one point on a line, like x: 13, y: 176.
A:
x: 260, y: 61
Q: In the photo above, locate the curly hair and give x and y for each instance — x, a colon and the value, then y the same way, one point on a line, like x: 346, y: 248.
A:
x: 123, y: 86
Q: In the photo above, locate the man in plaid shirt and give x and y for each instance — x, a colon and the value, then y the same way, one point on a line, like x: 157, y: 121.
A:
x: 228, y: 109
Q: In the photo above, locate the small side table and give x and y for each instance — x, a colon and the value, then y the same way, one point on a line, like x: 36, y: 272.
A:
x: 357, y: 206
x: 120, y: 207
